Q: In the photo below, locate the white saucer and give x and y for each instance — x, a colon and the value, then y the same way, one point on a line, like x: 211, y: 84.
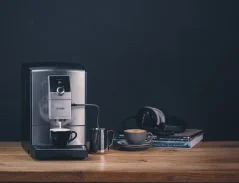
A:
x: 134, y: 147
x: 125, y: 143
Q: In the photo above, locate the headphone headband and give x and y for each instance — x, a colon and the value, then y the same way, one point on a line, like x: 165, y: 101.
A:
x: 159, y: 114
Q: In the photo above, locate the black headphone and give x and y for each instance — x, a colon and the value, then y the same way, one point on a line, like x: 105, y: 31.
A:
x: 153, y: 120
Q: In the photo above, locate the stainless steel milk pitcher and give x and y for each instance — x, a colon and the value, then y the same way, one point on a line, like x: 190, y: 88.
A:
x: 99, y: 140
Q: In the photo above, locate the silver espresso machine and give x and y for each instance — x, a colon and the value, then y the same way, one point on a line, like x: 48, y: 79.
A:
x: 49, y: 92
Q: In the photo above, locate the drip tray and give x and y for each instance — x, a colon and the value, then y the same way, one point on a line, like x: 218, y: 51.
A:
x: 47, y: 152
x: 53, y: 148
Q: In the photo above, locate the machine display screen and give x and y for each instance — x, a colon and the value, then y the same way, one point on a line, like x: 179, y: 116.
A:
x: 59, y: 81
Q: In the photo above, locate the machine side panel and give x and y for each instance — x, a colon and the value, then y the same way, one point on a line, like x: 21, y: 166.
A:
x: 25, y: 107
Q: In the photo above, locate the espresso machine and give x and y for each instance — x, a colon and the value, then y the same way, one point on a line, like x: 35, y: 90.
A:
x: 53, y: 93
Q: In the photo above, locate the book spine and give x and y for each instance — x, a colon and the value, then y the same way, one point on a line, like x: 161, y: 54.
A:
x: 177, y: 144
x: 185, y: 139
x: 172, y: 139
x: 162, y: 139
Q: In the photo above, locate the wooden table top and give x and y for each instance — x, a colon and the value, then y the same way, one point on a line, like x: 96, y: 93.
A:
x: 206, y: 162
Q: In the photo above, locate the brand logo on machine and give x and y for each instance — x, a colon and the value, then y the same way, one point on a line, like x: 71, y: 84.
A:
x: 60, y: 108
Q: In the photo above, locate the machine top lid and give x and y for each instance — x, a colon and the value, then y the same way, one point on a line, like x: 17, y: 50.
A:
x: 53, y: 65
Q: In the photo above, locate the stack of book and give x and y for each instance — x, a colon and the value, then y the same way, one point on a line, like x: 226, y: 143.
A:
x: 187, y: 139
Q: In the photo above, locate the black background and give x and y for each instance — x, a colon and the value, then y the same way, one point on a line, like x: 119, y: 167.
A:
x: 179, y: 56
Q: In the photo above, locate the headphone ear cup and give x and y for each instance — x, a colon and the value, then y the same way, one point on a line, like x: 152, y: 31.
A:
x: 173, y: 124
x: 146, y: 118
x: 176, y: 124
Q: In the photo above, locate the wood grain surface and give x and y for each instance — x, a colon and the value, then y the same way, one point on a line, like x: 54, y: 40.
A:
x: 206, y: 162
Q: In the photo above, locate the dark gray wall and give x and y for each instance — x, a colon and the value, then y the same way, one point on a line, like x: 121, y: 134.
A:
x: 179, y: 56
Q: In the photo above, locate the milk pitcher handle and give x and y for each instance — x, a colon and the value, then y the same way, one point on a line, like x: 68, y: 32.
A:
x: 108, y: 138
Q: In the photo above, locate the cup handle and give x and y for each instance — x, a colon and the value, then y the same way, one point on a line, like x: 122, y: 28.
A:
x: 150, y: 137
x: 108, y: 138
x: 73, y: 132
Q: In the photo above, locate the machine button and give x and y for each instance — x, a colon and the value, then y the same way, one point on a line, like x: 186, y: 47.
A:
x: 60, y: 91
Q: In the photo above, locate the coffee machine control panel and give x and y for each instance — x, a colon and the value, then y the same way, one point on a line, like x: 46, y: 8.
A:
x: 59, y: 97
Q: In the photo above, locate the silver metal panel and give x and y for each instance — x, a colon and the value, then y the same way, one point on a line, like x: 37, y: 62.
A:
x: 59, y: 109
x: 40, y: 98
x: 42, y: 135
x: 39, y: 92
x: 40, y: 109
x: 80, y: 139
x: 78, y: 89
x: 55, y: 96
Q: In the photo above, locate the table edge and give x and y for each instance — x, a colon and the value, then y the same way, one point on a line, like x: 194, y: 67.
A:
x: 116, y: 176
